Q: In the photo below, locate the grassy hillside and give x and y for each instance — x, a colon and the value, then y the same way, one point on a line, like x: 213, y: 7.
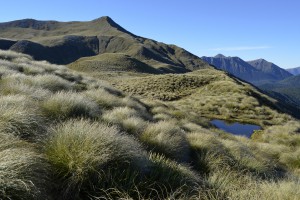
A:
x: 66, y: 135
x: 112, y: 62
x: 209, y: 93
x: 66, y: 42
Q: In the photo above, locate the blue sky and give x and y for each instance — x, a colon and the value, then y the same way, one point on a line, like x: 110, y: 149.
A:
x: 249, y: 29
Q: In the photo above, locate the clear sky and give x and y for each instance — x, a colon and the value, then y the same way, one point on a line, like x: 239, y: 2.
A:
x: 250, y: 29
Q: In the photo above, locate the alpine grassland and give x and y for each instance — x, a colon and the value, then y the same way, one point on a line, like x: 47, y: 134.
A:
x: 67, y: 134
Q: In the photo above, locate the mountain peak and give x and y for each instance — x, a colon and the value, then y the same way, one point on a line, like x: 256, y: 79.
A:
x: 106, y: 21
x: 220, y: 56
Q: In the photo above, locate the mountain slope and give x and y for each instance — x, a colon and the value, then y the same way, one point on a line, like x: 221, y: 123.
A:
x: 239, y: 68
x: 270, y: 68
x: 65, y: 135
x: 65, y: 42
x: 289, y: 87
x: 294, y: 71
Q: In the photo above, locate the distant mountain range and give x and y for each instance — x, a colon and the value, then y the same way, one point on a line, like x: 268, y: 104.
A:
x: 294, y: 71
x: 257, y: 72
x: 277, y: 82
x: 66, y: 42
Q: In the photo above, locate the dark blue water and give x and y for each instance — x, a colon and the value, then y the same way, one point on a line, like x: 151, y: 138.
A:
x: 235, y: 128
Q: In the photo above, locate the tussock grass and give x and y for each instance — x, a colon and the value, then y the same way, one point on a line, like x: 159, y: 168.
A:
x: 236, y: 186
x: 163, y: 87
x: 209, y: 93
x: 23, y: 172
x: 63, y: 105
x: 82, y: 152
x: 15, y: 88
x: 20, y: 116
x: 134, y: 125
x: 30, y: 69
x: 172, y: 152
x: 119, y: 114
x: 11, y: 55
x: 127, y: 119
x: 50, y: 82
x: 13, y: 67
x: 166, y: 138
x: 170, y: 176
x: 103, y: 98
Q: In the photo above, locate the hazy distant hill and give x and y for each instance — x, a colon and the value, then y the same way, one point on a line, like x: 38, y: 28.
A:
x: 290, y: 87
x: 65, y: 42
x: 257, y: 72
x: 294, y: 71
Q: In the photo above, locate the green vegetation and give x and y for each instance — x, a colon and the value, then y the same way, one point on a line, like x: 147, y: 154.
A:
x: 23, y: 171
x: 209, y: 93
x: 111, y: 62
x: 68, y: 135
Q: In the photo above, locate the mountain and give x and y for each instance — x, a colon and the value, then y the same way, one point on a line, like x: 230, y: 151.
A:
x: 239, y: 68
x: 294, y: 71
x: 290, y: 87
x: 66, y: 42
x: 256, y: 72
x: 270, y: 68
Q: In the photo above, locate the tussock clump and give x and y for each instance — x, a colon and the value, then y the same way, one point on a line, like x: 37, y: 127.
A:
x: 133, y: 125
x: 11, y: 55
x: 166, y: 138
x: 209, y: 154
x: 50, y: 82
x: 88, y: 156
x: 14, y: 67
x: 169, y: 175
x: 30, y: 69
x: 11, y: 88
x: 23, y: 172
x: 104, y: 98
x: 291, y: 159
x: 117, y: 115
x: 50, y: 68
x: 20, y: 116
x: 126, y: 118
x: 63, y: 105
x: 248, y: 159
x: 240, y: 186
